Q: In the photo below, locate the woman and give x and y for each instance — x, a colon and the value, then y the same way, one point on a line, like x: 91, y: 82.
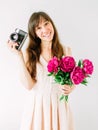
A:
x: 43, y: 110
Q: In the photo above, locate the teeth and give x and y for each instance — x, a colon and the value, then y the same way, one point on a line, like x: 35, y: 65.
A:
x: 47, y: 35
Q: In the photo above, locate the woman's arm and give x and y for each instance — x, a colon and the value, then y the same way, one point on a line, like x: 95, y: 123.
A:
x: 25, y: 76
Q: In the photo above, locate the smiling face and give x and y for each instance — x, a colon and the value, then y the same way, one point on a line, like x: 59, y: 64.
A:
x: 44, y: 30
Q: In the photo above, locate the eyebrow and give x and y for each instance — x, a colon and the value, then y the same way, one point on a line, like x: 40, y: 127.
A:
x: 42, y: 20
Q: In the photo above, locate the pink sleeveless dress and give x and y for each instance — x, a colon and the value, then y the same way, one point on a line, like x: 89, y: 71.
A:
x: 43, y: 109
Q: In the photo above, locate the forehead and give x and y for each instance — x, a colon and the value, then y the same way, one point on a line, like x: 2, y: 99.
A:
x: 40, y: 20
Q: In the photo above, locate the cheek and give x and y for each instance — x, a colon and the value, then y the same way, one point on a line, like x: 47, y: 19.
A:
x: 52, y: 29
x: 38, y: 34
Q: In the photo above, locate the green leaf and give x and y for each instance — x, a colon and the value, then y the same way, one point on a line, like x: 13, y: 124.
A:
x: 68, y: 81
x: 50, y: 74
x: 84, y: 82
x: 58, y: 79
x: 63, y: 97
x: 66, y: 98
x: 80, y: 63
x: 61, y: 73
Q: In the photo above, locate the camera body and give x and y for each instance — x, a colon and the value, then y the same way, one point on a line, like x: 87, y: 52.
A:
x: 19, y: 36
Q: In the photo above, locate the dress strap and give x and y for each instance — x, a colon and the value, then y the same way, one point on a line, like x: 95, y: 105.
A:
x: 67, y: 51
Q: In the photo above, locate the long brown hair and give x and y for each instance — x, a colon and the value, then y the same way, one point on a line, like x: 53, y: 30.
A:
x: 34, y: 46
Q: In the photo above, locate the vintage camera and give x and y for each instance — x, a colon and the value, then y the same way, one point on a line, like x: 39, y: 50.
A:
x: 19, y: 36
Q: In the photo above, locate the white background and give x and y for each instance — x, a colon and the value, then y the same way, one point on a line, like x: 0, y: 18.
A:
x: 77, y: 24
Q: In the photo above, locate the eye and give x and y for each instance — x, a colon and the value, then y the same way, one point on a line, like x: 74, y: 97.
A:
x: 37, y: 28
x: 46, y: 23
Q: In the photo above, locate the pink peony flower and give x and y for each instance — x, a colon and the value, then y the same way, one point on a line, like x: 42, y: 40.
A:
x: 77, y: 75
x: 88, y: 66
x: 67, y: 64
x: 66, y: 71
x: 53, y: 65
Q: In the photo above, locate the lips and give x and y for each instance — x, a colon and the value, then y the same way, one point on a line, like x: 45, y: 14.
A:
x: 47, y: 35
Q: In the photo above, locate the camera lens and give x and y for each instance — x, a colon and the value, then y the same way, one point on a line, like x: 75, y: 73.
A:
x: 14, y: 37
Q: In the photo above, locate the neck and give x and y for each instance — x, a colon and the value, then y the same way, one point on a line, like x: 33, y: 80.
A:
x: 46, y: 46
x: 46, y: 51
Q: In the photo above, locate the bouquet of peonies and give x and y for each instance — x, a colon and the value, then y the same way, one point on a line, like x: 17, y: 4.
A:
x: 67, y: 71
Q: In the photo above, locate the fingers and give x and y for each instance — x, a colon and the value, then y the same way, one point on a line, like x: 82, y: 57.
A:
x: 12, y: 45
x: 66, y: 89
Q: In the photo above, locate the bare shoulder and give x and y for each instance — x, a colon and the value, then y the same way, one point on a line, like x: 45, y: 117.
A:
x: 67, y: 50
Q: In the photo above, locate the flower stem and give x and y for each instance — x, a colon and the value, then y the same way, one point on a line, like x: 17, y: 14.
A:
x: 63, y: 97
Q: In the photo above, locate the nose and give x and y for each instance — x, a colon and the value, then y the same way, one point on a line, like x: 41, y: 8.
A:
x: 45, y: 29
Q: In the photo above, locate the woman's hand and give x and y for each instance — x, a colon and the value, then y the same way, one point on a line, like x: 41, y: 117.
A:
x: 12, y: 47
x: 67, y: 89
